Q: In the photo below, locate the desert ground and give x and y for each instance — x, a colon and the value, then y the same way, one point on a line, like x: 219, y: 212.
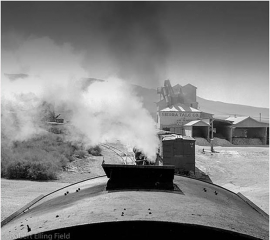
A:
x: 239, y: 169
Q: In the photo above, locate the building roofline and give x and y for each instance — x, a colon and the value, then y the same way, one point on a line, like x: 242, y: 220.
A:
x: 190, y: 85
x: 243, y: 118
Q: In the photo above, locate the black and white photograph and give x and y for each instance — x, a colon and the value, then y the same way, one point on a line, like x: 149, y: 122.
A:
x: 134, y: 120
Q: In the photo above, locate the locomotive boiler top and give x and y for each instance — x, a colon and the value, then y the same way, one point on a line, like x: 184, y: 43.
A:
x: 191, y: 208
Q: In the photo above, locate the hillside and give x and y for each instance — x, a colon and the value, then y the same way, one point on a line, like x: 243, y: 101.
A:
x: 219, y: 109
x: 223, y: 110
x: 150, y: 97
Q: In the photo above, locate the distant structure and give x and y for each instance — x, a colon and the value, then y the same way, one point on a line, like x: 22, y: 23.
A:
x: 243, y: 130
x: 56, y: 125
x: 173, y: 95
x: 177, y: 112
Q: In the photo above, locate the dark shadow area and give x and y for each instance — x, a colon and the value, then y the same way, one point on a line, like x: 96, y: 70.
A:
x: 139, y: 230
x: 200, y: 175
x: 139, y: 177
x: 69, y: 198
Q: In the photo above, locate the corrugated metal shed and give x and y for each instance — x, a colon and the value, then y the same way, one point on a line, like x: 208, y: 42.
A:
x: 246, y: 122
x: 197, y: 123
x: 236, y: 120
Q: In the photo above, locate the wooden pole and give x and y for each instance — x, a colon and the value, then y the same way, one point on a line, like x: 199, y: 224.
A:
x: 212, y: 136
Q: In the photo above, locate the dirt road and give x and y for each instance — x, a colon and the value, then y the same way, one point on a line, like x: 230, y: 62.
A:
x: 239, y: 169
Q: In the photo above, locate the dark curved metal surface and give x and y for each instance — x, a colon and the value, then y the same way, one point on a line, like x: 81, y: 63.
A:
x: 141, y: 230
x: 87, y: 203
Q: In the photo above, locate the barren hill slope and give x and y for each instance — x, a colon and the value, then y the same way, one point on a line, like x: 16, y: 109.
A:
x: 219, y: 109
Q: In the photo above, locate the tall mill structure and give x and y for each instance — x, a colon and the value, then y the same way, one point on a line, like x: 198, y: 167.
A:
x: 177, y: 111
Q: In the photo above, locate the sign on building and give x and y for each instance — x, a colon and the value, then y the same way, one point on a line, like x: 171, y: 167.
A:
x: 178, y: 118
x: 187, y: 115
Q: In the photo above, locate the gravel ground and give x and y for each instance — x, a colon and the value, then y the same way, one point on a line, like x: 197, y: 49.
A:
x: 239, y: 169
x: 26, y: 191
x: 216, y: 142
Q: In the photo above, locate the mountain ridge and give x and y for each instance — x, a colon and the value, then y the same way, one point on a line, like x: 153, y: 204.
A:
x: 149, y: 98
x: 220, y: 109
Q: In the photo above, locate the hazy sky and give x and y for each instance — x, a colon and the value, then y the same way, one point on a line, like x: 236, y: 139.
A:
x: 222, y: 48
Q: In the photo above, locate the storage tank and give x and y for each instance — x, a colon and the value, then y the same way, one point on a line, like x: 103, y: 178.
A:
x: 179, y: 151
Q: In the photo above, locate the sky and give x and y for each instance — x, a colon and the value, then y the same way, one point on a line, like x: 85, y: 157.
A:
x: 222, y: 48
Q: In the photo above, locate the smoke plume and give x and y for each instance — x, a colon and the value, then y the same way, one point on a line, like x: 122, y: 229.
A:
x: 136, y: 42
x: 98, y: 112
x: 124, y: 39
x: 20, y: 117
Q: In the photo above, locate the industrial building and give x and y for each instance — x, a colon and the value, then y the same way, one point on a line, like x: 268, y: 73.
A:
x: 242, y: 130
x: 177, y: 112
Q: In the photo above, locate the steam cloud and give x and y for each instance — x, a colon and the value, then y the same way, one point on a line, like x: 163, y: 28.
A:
x: 101, y: 111
x: 20, y: 117
x: 124, y: 39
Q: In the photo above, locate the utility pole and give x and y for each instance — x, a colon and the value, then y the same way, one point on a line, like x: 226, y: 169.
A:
x: 212, y: 136
x: 260, y: 117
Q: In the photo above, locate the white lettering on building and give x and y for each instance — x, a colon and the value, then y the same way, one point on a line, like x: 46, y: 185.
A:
x: 181, y: 115
x: 178, y: 118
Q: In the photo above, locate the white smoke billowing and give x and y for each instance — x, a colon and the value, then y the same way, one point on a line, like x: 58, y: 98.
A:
x: 45, y: 63
x: 99, y: 112
x: 20, y: 117
x: 110, y: 111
